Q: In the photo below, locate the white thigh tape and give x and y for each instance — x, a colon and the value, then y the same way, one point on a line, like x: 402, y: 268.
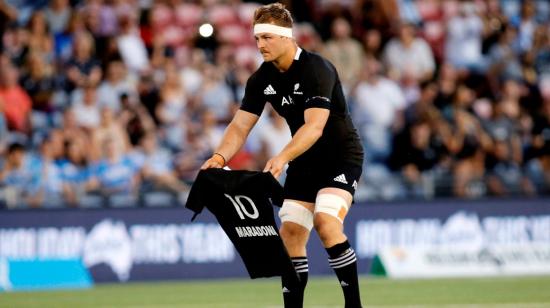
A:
x: 333, y: 205
x: 296, y: 213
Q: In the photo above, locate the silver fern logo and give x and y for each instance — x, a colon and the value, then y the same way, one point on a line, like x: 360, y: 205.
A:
x: 296, y: 87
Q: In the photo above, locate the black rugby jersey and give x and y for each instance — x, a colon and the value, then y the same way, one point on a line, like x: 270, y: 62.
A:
x: 311, y: 81
x: 242, y: 203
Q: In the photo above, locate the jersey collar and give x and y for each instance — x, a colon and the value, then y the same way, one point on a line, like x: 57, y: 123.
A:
x: 298, y: 53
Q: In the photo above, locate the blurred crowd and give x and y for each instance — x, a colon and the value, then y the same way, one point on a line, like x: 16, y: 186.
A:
x: 119, y: 102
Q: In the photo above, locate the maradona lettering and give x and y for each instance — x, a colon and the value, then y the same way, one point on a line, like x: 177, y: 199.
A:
x: 252, y: 231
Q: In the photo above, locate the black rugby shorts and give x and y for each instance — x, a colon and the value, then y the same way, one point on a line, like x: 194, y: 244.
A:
x: 304, y: 182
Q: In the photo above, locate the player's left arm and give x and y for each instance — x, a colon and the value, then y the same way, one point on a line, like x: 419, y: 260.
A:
x: 315, y: 120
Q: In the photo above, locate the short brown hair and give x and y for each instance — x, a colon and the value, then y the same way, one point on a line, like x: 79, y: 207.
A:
x: 274, y: 13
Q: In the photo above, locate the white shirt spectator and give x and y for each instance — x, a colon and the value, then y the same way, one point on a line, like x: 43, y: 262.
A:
x: 191, y: 80
x: 378, y: 102
x: 159, y: 162
x: 87, y: 115
x: 464, y: 39
x: 416, y: 60
x: 109, y: 94
x: 86, y: 110
x: 133, y: 51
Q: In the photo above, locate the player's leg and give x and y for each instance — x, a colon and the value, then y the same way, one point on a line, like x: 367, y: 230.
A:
x: 297, y: 222
x: 331, y: 207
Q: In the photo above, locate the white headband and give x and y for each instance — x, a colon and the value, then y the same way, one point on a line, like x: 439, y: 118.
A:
x: 270, y: 28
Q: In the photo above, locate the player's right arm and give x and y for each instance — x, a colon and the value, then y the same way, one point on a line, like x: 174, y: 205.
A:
x: 233, y: 139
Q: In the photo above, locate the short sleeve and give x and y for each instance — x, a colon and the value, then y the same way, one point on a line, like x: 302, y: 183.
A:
x: 196, y: 199
x: 275, y: 188
x: 318, y: 86
x: 253, y: 100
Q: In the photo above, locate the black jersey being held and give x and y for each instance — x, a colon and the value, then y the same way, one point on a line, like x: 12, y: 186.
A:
x: 310, y: 82
x: 242, y: 203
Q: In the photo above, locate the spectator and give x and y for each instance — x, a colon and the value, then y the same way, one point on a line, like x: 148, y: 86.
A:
x: 372, y: 43
x: 47, y: 189
x: 308, y: 38
x: 504, y: 57
x: 344, y: 52
x: 116, y: 83
x: 87, y: 111
x: 39, y: 36
x: 3, y: 130
x: 131, y: 47
x: 75, y: 171
x: 19, y: 174
x: 329, y: 11
x: 464, y: 39
x: 17, y: 103
x: 241, y: 74
x: 83, y: 68
x: 538, y: 170
x: 70, y: 128
x: 468, y: 145
x: 108, y: 128
x: 494, y: 22
x: 503, y: 162
x: 64, y: 40
x: 57, y: 14
x: 7, y: 14
x: 504, y: 176
x: 192, y: 74
x: 40, y: 84
x: 538, y: 152
x: 197, y: 149
x: 510, y: 99
x: 156, y: 165
x: 409, y: 56
x: 56, y: 144
x: 171, y: 110
x: 424, y: 108
x: 135, y: 120
x: 211, y: 129
x: 447, y: 80
x: 415, y: 155
x: 90, y: 14
x: 215, y: 94
x: 542, y: 51
x: 16, y: 45
x: 149, y: 95
x: 526, y: 24
x: 378, y: 15
x: 114, y: 173
x: 378, y: 111
x: 109, y: 16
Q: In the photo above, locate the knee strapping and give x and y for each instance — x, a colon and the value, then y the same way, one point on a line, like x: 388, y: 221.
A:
x: 296, y: 213
x: 332, y: 205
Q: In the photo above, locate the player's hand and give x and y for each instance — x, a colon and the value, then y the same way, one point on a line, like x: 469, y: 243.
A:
x: 216, y: 161
x: 276, y: 166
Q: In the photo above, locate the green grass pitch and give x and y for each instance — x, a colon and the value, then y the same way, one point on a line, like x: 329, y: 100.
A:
x: 508, y: 292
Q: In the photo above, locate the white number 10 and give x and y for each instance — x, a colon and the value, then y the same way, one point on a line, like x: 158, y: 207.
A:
x: 239, y: 206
